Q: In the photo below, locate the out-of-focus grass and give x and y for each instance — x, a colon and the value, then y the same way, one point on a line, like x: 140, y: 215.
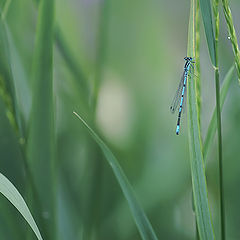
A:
x: 213, y: 123
x: 41, y: 138
x: 138, y: 71
x: 142, y: 222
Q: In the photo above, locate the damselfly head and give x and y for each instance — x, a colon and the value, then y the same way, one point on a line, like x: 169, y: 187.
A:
x: 188, y: 59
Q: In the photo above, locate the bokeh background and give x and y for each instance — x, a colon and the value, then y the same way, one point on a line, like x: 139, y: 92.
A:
x: 135, y: 49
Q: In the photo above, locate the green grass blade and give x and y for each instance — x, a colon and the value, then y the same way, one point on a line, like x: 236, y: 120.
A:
x: 233, y: 36
x: 142, y: 222
x: 41, y: 140
x: 213, y: 123
x: 13, y: 196
x: 206, y: 10
x: 199, y: 185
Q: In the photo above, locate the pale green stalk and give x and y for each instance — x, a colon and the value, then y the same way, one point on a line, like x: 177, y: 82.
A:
x: 219, y: 124
x: 232, y: 35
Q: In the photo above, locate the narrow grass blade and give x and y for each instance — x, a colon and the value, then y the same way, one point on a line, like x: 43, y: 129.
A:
x: 142, y: 222
x: 206, y: 10
x: 13, y: 196
x: 199, y: 185
x: 41, y: 140
x: 213, y: 123
x: 233, y: 36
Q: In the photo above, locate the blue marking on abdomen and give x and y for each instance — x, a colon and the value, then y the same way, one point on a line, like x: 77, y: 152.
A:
x: 186, y: 70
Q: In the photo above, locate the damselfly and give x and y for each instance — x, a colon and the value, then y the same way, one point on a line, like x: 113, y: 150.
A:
x: 181, y: 91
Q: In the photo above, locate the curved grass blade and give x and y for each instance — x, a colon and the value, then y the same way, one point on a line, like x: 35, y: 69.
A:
x: 41, y: 140
x: 142, y: 222
x: 13, y: 196
x: 199, y: 185
x: 213, y: 123
x: 206, y: 11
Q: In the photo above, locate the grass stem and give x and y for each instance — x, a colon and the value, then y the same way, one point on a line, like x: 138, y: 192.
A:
x: 221, y: 187
x: 219, y: 124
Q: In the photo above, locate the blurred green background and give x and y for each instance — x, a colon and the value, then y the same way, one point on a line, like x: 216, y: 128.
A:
x: 135, y: 49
